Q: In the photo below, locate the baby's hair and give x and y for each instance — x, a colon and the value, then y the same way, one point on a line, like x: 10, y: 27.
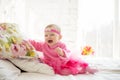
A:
x: 54, y: 26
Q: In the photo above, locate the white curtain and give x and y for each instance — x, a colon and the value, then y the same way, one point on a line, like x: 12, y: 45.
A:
x: 99, y: 26
x: 83, y: 22
x: 7, y: 10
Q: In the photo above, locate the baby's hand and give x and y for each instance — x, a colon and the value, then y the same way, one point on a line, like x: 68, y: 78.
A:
x: 59, y: 51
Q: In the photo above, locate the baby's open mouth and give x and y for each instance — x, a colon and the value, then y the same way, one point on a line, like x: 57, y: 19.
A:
x: 50, y: 41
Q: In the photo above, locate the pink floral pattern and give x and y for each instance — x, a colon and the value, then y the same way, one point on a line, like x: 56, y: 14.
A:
x: 12, y: 45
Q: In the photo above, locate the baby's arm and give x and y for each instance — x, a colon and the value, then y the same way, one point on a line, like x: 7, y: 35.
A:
x: 60, y: 51
x: 37, y: 45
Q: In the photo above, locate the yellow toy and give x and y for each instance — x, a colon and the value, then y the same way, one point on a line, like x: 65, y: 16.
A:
x: 87, y: 50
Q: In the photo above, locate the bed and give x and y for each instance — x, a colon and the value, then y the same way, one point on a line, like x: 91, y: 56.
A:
x: 99, y: 76
x: 109, y: 69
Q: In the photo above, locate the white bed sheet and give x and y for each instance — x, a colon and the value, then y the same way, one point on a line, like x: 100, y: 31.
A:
x: 108, y: 70
x: 98, y: 76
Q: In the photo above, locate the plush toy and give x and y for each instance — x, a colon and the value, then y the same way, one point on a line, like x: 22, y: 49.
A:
x: 87, y: 50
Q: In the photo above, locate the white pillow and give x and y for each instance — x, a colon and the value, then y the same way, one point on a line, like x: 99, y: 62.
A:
x: 32, y: 65
x: 8, y: 71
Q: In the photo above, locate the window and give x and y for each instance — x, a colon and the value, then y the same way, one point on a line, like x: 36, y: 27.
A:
x: 98, y: 23
x: 83, y: 22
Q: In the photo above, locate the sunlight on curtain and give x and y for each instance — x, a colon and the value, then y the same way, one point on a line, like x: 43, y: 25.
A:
x: 13, y: 11
x: 96, y: 22
x: 116, y: 31
x: 7, y: 10
x: 33, y: 15
x: 40, y: 13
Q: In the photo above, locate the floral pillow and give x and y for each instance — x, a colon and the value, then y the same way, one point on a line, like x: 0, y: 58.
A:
x: 12, y: 45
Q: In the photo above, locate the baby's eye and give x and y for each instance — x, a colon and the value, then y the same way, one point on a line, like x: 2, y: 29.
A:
x: 46, y: 35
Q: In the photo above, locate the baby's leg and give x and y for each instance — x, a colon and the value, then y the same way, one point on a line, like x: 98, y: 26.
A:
x: 65, y: 72
x: 90, y: 70
x: 82, y: 71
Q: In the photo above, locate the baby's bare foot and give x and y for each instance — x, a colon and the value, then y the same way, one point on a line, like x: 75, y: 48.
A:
x: 91, y: 71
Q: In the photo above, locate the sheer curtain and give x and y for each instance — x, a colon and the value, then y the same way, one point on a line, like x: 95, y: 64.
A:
x: 7, y: 10
x: 83, y: 22
x: 40, y: 13
x: 13, y: 11
x: 98, y: 26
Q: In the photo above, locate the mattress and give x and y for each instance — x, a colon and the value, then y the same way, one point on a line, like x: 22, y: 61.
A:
x: 108, y: 70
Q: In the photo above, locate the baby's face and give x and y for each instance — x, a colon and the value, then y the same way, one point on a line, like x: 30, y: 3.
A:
x: 51, y: 38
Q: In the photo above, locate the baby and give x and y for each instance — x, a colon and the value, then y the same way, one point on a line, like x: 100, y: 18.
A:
x: 56, y: 54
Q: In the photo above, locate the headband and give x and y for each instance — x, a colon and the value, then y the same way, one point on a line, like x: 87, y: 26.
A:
x: 52, y: 30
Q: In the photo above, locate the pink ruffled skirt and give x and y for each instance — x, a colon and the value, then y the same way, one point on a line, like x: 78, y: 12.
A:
x: 66, y: 67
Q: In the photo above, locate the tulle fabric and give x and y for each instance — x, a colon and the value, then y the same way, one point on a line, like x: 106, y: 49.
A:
x: 70, y: 66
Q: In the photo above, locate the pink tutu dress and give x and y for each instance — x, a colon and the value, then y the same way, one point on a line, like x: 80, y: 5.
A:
x: 63, y: 65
